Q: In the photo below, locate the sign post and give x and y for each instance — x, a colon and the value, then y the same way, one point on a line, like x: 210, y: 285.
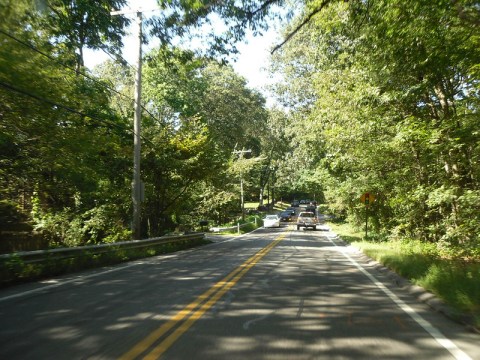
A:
x: 367, y: 198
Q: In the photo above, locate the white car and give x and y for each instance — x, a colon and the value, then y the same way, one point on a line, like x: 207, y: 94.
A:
x: 271, y: 221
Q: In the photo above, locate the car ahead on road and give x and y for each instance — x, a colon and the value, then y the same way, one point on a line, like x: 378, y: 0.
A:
x: 285, y: 216
x: 295, y: 203
x: 271, y: 221
x: 307, y: 219
x: 291, y: 210
x: 311, y: 208
x: 293, y: 213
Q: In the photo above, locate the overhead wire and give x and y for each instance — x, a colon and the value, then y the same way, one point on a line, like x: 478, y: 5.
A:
x: 67, y: 108
x: 116, y: 57
x: 33, y: 48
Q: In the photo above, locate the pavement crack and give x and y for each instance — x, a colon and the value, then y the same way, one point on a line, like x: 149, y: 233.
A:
x: 247, y: 324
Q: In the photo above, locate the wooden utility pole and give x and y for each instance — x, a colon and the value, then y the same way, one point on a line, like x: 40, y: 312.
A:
x: 137, y: 185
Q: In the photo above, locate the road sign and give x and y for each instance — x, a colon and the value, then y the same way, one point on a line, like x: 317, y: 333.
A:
x: 367, y: 198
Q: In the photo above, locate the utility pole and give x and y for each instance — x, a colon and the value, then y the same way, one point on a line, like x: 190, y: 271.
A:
x: 242, y: 202
x: 274, y: 169
x: 137, y: 185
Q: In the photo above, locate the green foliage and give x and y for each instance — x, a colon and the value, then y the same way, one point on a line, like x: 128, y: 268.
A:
x: 389, y: 110
x: 179, y: 16
x: 391, y: 107
x: 67, y: 228
x: 205, y: 109
x: 80, y: 24
x: 64, y: 142
x: 198, y: 111
x: 457, y: 283
x: 463, y: 223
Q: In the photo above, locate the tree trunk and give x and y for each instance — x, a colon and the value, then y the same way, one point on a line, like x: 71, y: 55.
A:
x: 260, y: 198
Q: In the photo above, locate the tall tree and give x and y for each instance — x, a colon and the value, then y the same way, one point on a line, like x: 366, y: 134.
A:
x: 75, y: 25
x: 48, y: 110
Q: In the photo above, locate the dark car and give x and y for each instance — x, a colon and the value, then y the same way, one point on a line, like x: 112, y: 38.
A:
x: 295, y: 203
x: 285, y: 216
x: 291, y: 210
x: 311, y: 208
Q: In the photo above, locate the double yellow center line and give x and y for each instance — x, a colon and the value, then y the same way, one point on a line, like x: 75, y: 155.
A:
x: 186, y: 317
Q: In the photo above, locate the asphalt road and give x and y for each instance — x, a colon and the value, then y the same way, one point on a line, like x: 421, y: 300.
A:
x: 272, y: 294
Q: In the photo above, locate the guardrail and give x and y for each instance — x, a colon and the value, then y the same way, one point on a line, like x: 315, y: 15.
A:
x: 65, y: 253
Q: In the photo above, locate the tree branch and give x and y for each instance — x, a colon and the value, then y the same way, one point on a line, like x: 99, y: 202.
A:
x: 302, y: 24
x: 265, y: 5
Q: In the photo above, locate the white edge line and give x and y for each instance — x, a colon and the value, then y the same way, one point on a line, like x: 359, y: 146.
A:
x: 433, y: 331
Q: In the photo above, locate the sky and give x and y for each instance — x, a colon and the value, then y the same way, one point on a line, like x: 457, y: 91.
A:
x: 252, y: 60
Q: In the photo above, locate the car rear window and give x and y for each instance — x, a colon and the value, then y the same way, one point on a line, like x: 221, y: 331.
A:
x: 307, y: 214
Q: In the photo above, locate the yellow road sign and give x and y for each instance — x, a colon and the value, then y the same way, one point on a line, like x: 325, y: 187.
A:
x: 367, y: 198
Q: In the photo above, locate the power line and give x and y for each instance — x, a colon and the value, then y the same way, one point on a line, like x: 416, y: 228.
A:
x: 116, y: 57
x: 59, y: 62
x: 33, y: 48
x: 65, y: 107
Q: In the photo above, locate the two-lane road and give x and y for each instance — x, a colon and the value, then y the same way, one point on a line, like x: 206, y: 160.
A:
x: 272, y: 294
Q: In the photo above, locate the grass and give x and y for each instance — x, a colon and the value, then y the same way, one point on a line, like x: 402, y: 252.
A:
x: 455, y: 281
x: 251, y: 223
x: 278, y: 206
x: 250, y: 219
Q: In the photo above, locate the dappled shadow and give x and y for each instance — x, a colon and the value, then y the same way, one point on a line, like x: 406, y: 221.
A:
x: 306, y: 302
x: 94, y: 315
x: 303, y: 300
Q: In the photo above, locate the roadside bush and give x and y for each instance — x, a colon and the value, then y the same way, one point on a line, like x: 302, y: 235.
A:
x: 101, y: 225
x: 60, y: 228
x: 10, y: 215
x: 67, y: 228
x: 456, y: 283
x: 463, y: 226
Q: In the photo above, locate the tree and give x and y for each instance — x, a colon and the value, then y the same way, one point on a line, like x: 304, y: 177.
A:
x: 72, y: 26
x: 202, y: 110
x: 49, y: 110
x: 395, y: 92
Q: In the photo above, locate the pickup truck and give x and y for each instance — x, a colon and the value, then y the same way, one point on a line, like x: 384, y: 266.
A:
x: 307, y: 219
